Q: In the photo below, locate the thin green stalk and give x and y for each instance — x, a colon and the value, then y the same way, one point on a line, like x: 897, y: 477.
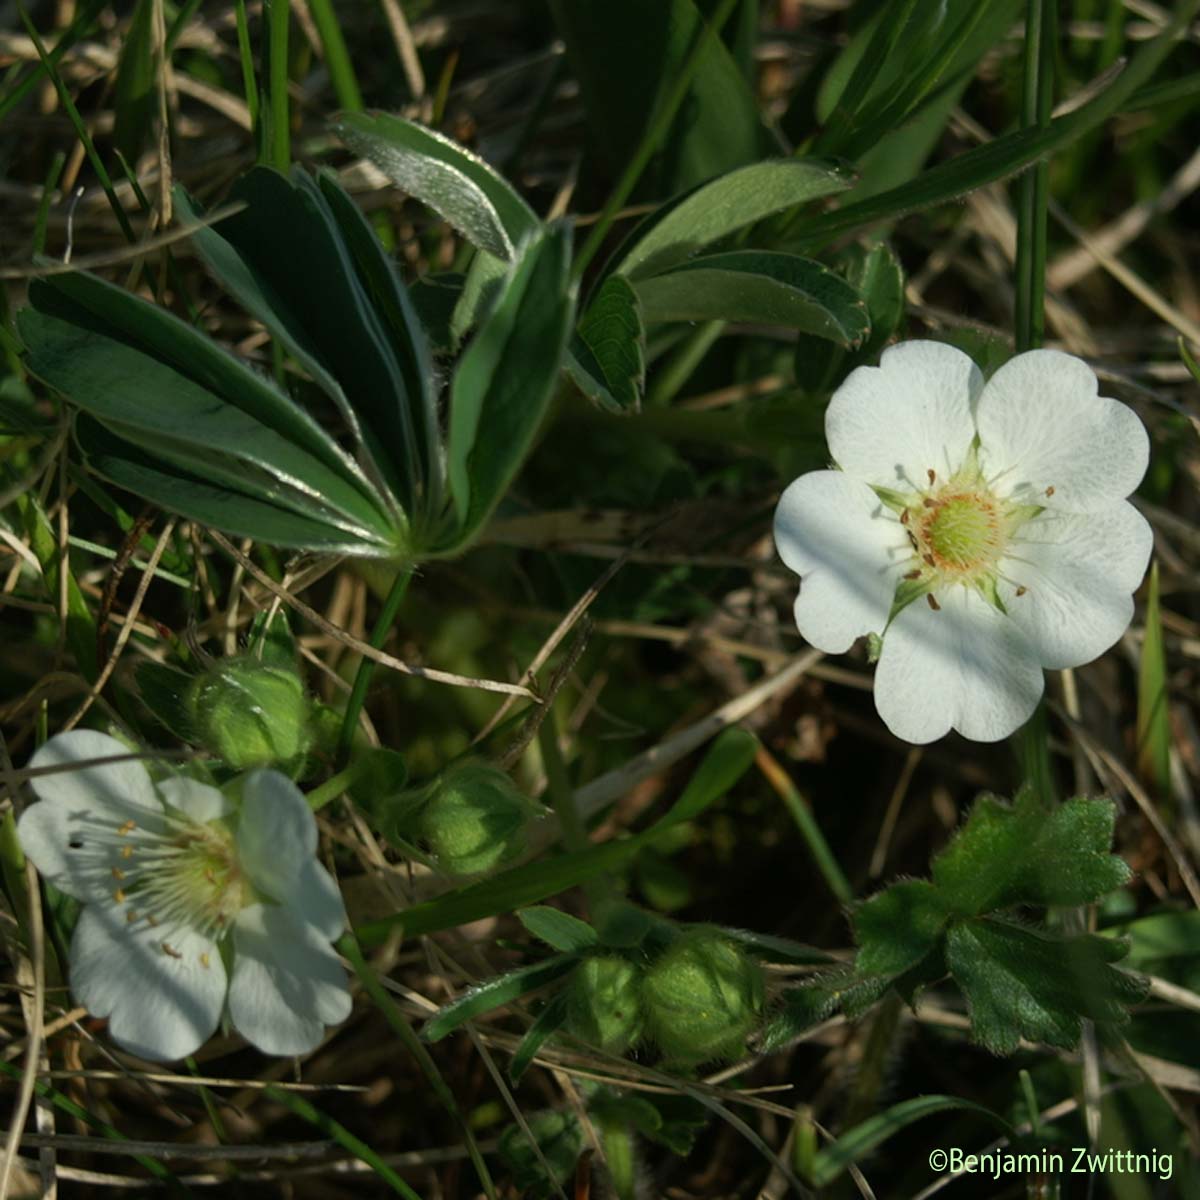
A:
x: 1036, y: 105
x: 43, y: 211
x: 348, y: 946
x: 366, y: 668
x: 656, y: 131
x: 78, y: 28
x: 344, y: 1138
x: 337, y: 57
x: 1033, y: 740
x: 246, y: 54
x: 806, y: 823
x: 682, y: 364
x: 337, y: 784
x: 278, y: 13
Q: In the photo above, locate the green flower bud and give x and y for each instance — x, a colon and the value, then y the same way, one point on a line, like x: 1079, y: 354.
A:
x: 702, y: 998
x: 251, y: 714
x: 474, y: 819
x: 560, y: 1139
x: 604, y: 1005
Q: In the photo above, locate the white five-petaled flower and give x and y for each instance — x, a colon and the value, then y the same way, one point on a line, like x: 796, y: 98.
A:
x: 982, y: 529
x: 197, y: 905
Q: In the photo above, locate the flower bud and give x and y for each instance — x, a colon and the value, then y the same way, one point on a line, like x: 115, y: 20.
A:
x: 702, y: 998
x: 604, y: 1004
x: 474, y: 819
x: 251, y: 714
x: 559, y: 1137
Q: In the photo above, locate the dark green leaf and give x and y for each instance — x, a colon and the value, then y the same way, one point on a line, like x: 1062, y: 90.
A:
x: 164, y: 691
x: 504, y: 380
x: 724, y: 205
x: 899, y: 927
x: 1025, y: 854
x: 625, y: 53
x: 774, y: 949
x: 458, y: 185
x: 549, y: 1022
x: 235, y: 512
x: 495, y: 993
x: 608, y: 353
x: 134, y: 99
x: 181, y: 423
x: 758, y: 287
x: 558, y: 929
x: 858, y: 1142
x: 727, y: 760
x: 1020, y: 983
x: 800, y: 1008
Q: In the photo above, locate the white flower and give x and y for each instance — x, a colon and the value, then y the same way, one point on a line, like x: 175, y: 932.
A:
x: 982, y: 529
x: 196, y: 905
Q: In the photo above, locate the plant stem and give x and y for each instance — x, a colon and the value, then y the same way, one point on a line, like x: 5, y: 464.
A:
x: 279, y: 12
x: 656, y: 131
x: 810, y: 831
x: 366, y: 668
x: 348, y: 946
x: 337, y: 57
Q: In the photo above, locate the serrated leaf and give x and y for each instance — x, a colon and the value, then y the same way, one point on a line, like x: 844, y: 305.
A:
x: 495, y: 993
x: 758, y: 287
x: 1025, y: 854
x: 1022, y: 983
x: 607, y: 360
x: 549, y: 1021
x: 558, y: 929
x: 899, y: 927
x: 716, y: 209
x: 505, y: 379
x: 458, y: 185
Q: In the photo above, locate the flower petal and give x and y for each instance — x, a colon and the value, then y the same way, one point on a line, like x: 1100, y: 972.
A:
x: 71, y: 833
x: 277, y: 832
x: 287, y: 982
x: 1043, y: 425
x: 200, y: 801
x: 316, y: 900
x: 161, y: 1000
x: 891, y: 424
x: 849, y: 550
x: 1080, y: 572
x: 966, y: 667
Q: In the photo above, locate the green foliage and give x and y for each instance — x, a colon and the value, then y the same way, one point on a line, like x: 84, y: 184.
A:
x: 608, y: 353
x: 559, y: 1137
x: 1019, y: 981
x: 472, y: 819
x: 135, y: 83
x: 558, y: 929
x: 604, y: 1002
x: 702, y: 998
x: 251, y: 714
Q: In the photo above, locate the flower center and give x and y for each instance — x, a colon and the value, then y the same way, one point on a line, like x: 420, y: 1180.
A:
x: 962, y: 531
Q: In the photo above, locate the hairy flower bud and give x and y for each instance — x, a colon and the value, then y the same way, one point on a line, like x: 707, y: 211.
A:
x: 251, y: 714
x: 604, y: 1004
x: 474, y: 819
x: 702, y: 998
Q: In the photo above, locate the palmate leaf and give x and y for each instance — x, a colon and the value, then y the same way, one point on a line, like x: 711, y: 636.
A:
x: 1021, y: 853
x: 183, y: 423
x: 758, y: 287
x: 1022, y: 983
x: 285, y: 259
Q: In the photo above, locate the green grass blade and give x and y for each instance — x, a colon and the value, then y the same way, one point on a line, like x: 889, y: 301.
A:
x: 1153, y: 716
x: 337, y: 57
